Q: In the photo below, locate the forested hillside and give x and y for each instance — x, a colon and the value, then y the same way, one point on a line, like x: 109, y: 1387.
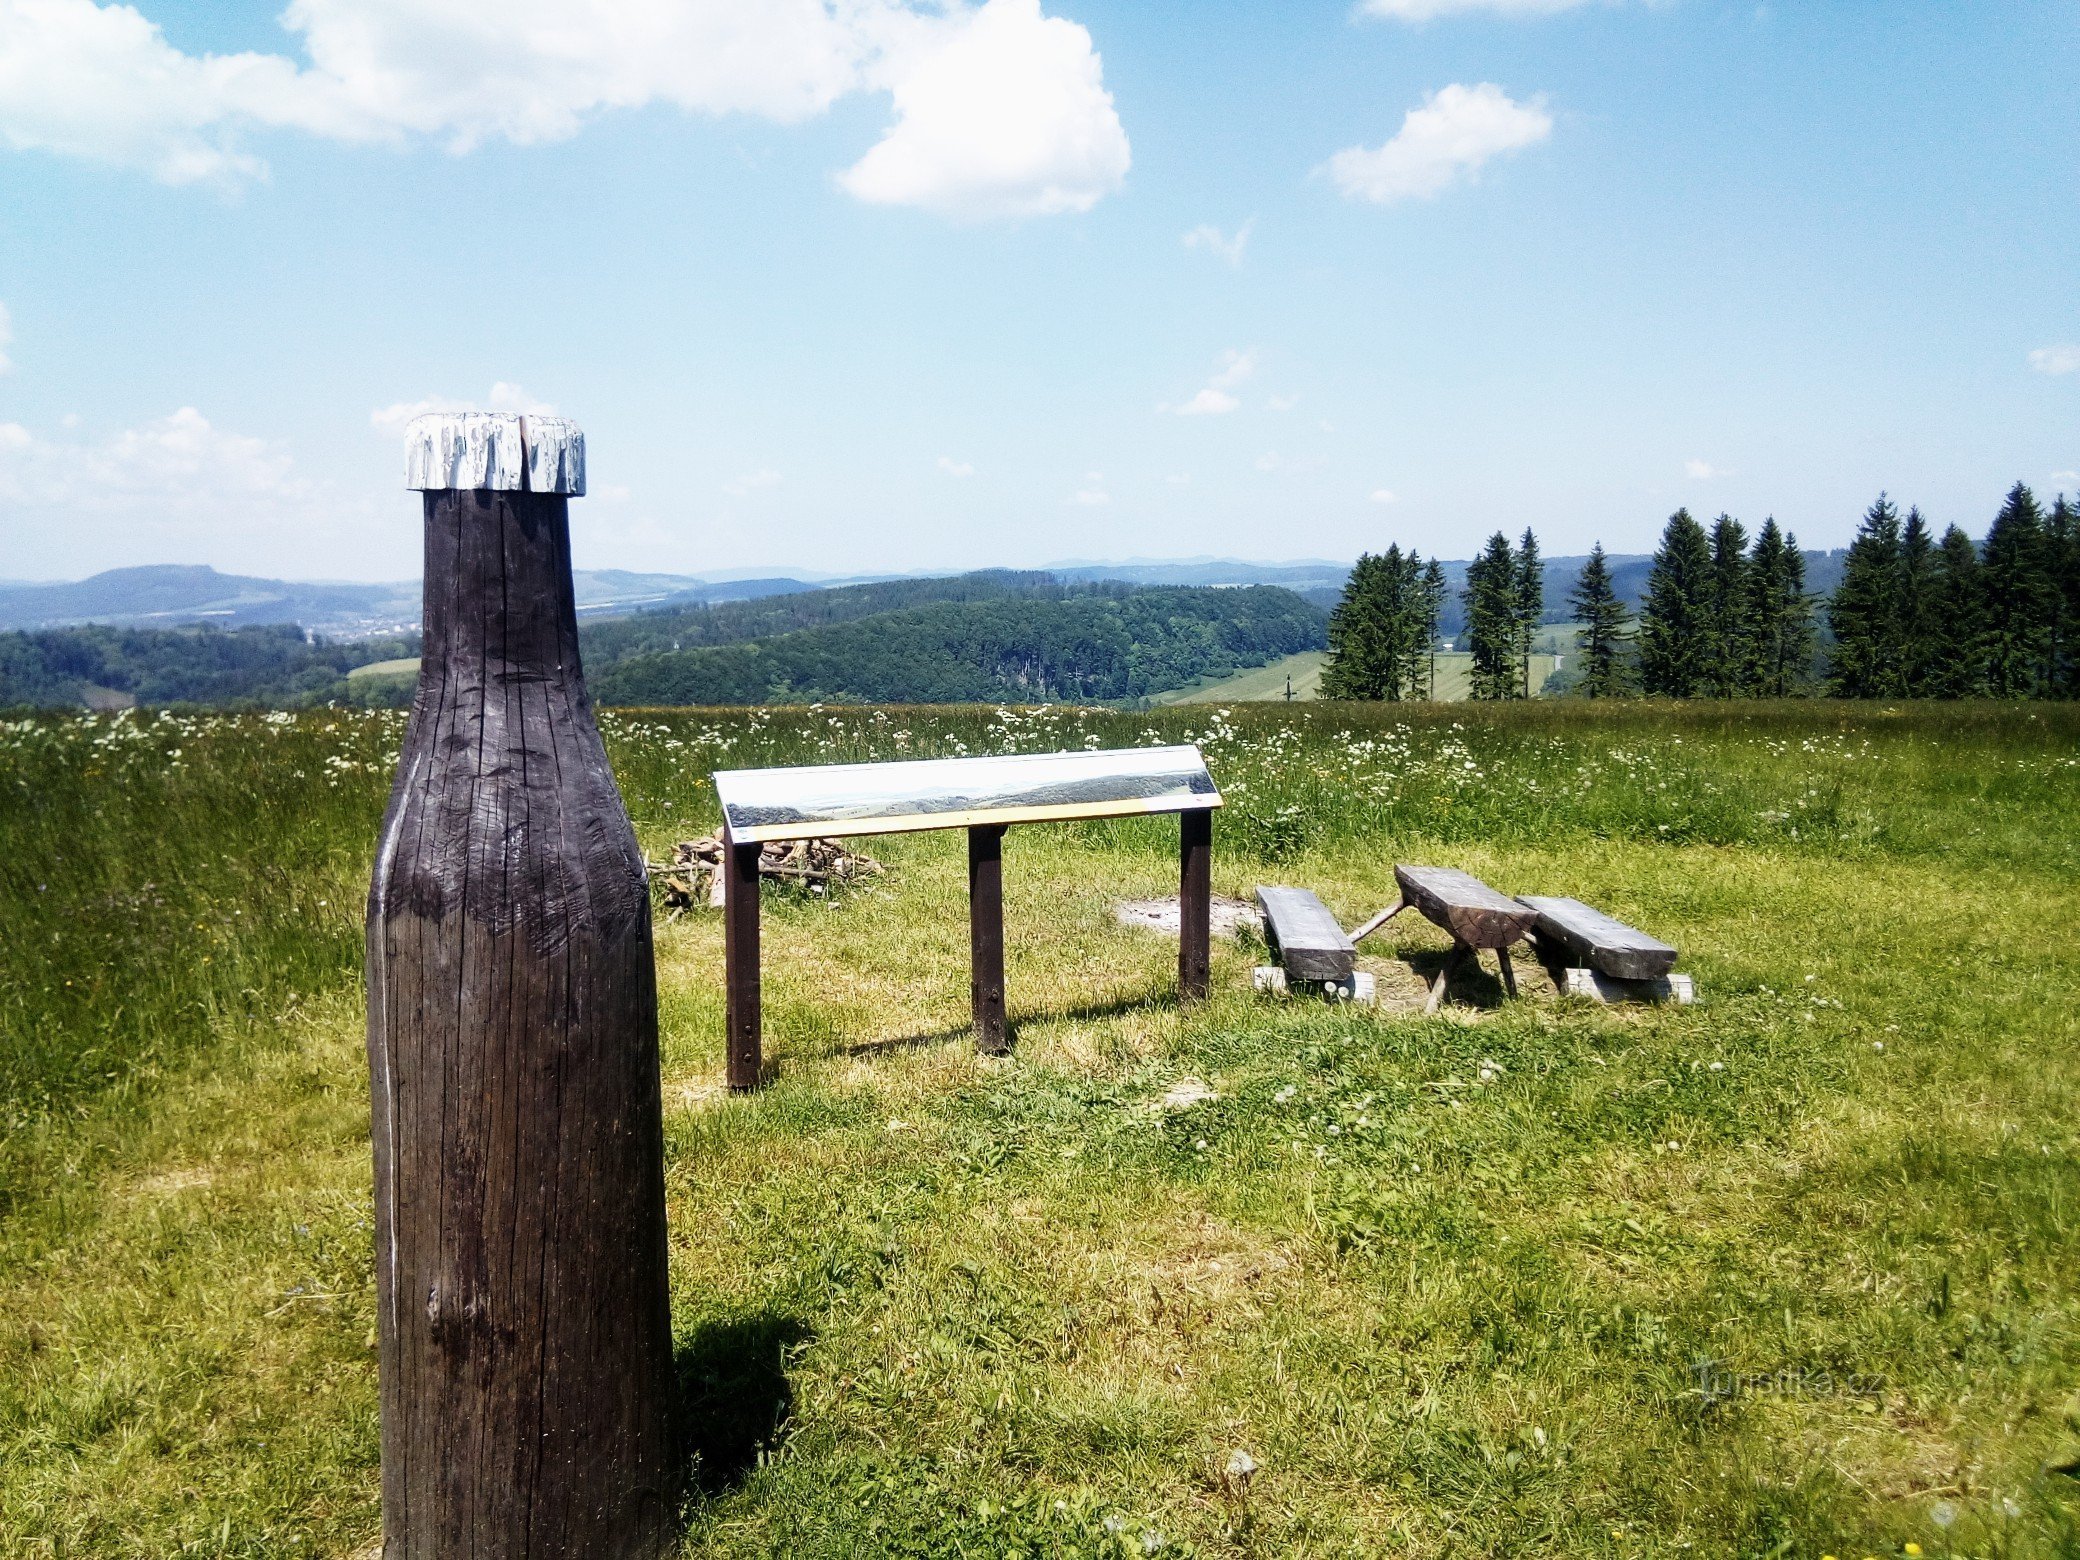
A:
x: 272, y: 665
x: 691, y: 627
x: 1089, y: 646
x: 992, y: 635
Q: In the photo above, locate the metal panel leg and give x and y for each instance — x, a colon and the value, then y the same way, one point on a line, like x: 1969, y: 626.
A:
x: 740, y: 960
x: 986, y: 937
x: 1194, y: 905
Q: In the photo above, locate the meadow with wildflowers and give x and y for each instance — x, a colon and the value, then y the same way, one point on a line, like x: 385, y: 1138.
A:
x: 1793, y: 1271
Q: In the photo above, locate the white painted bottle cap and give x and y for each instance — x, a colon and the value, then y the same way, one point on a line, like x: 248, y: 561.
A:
x: 502, y: 451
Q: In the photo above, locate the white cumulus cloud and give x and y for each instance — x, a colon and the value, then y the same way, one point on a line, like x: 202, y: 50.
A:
x: 752, y: 482
x: 1232, y: 367
x: 1456, y: 131
x: 1383, y: 496
x: 1000, y: 110
x: 2062, y: 359
x: 1703, y: 470
x: 1092, y: 493
x: 1209, y: 402
x: 1426, y: 10
x: 180, y: 462
x: 955, y: 468
x: 1006, y: 116
x: 1207, y: 236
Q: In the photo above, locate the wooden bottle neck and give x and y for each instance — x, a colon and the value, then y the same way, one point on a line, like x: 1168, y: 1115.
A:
x: 498, y: 599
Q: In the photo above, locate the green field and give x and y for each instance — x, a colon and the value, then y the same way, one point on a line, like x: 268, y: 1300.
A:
x: 1794, y: 1271
x: 1263, y: 683
x: 405, y: 669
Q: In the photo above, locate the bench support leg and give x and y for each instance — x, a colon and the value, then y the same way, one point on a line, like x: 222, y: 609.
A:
x: 740, y: 964
x: 1379, y: 920
x: 986, y: 937
x: 1194, y: 905
x: 1509, y: 975
x: 1444, y: 976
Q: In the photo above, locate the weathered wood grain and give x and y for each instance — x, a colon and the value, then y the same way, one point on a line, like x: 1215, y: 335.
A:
x: 525, y: 1341
x: 1304, y: 936
x: 1588, y: 936
x: 1466, y: 907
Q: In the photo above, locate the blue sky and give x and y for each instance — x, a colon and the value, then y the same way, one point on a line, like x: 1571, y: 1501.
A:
x: 884, y: 287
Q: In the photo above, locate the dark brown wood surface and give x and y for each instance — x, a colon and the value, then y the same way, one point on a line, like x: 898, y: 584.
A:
x: 986, y: 937
x: 1587, y: 936
x: 1194, y: 906
x: 1466, y: 907
x: 1305, y: 937
x: 525, y: 1338
x: 742, y: 1017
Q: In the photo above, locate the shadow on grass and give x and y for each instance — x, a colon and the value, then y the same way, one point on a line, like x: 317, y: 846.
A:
x: 733, y: 1395
x: 1474, y: 983
x: 1089, y: 1012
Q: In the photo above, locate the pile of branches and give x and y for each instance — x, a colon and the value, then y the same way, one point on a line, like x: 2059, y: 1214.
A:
x: 693, y: 877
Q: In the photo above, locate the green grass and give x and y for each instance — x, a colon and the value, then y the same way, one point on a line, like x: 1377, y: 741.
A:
x: 1793, y: 1271
x: 1258, y: 683
x: 1268, y: 683
x: 405, y: 669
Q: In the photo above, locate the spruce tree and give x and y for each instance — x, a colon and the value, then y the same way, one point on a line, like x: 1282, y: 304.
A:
x: 1491, y: 620
x: 1531, y: 602
x: 1675, y: 621
x: 1600, y: 641
x: 2016, y: 567
x: 1410, y: 645
x: 1920, y: 643
x: 1958, y: 670
x: 2062, y: 537
x: 1730, y: 623
x: 1780, y: 615
x: 1864, y: 613
x: 1353, y: 669
x: 1433, y: 599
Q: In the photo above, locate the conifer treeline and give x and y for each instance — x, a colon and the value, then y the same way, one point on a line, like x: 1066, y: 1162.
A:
x: 1721, y: 618
x: 1915, y: 616
x: 1383, y: 633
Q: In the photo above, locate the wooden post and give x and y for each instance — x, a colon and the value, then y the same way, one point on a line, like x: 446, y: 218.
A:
x: 525, y: 1335
x: 986, y: 937
x: 744, y: 1018
x: 1194, y: 904
x: 1509, y: 974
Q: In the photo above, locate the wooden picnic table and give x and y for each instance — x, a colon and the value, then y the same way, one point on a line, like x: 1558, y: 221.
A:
x: 1476, y: 915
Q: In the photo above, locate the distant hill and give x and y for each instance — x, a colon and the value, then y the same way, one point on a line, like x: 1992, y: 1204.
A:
x: 1100, y: 645
x: 164, y: 595
x: 695, y: 626
x: 169, y: 595
x: 1301, y: 576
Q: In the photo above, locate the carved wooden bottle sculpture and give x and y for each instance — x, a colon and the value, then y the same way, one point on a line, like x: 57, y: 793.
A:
x: 512, y: 1039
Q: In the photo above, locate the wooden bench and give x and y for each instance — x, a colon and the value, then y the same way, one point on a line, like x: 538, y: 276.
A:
x: 1304, y: 937
x: 1593, y: 955
x: 1310, y: 948
x: 1475, y: 914
x: 984, y: 796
